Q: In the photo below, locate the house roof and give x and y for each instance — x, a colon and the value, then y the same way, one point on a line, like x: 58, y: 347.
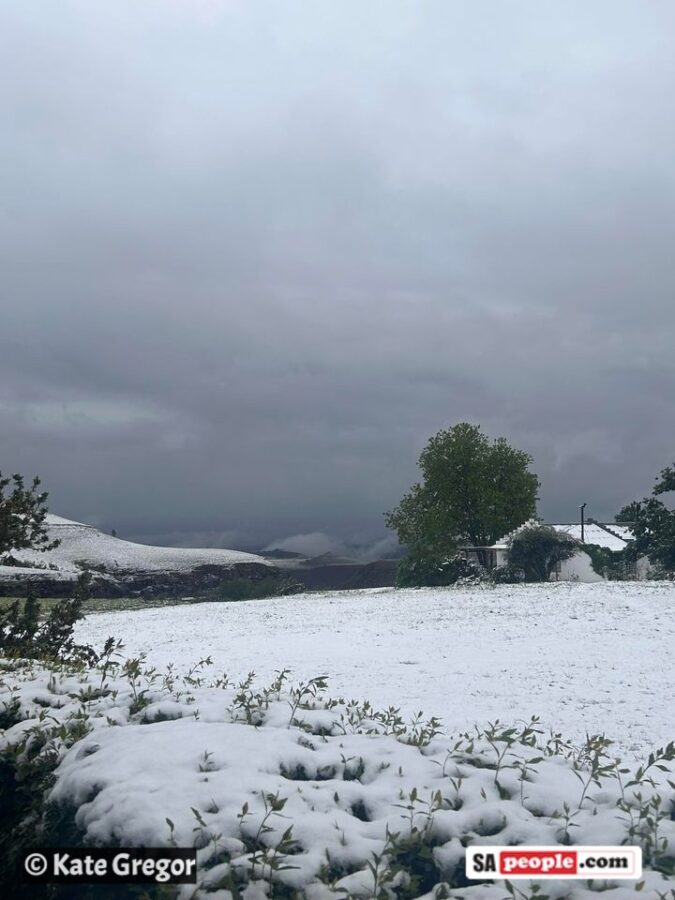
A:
x: 597, y: 533
x: 608, y: 535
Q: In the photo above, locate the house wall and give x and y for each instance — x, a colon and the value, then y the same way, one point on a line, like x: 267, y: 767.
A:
x: 578, y: 568
x: 502, y: 557
x: 496, y: 557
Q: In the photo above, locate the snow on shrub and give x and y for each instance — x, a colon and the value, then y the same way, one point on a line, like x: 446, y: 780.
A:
x: 288, y: 793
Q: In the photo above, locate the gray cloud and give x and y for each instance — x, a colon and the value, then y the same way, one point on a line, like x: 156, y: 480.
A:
x: 254, y: 255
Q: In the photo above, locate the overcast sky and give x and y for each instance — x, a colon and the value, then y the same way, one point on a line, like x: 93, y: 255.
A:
x: 254, y: 254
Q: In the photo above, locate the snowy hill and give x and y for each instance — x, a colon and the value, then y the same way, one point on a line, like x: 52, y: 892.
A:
x: 119, y: 562
x: 82, y: 543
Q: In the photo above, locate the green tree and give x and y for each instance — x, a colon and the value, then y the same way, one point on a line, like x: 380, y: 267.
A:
x: 22, y: 516
x: 538, y: 549
x: 473, y: 491
x: 653, y: 524
x: 24, y: 632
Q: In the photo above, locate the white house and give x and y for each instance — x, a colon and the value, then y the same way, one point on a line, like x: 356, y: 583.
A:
x: 610, y: 536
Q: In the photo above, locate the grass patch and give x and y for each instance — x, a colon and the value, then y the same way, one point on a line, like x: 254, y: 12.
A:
x: 106, y: 604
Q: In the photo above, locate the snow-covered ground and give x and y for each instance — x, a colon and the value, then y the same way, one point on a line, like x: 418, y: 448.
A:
x: 329, y: 800
x: 282, y: 783
x: 585, y: 657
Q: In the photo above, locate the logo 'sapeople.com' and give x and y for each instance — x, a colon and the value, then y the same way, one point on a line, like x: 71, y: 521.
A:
x: 484, y: 862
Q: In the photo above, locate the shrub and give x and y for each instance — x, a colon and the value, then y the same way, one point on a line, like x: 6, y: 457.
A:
x: 615, y: 566
x: 23, y: 512
x: 24, y: 634
x: 248, y: 589
x: 418, y: 571
x: 538, y: 549
x: 507, y: 574
x: 659, y: 573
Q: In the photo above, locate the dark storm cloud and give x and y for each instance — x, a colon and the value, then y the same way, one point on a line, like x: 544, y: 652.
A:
x: 254, y: 254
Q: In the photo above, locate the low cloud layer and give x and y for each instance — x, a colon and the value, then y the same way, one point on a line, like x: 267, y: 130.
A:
x: 254, y: 256
x: 317, y: 543
x: 314, y: 544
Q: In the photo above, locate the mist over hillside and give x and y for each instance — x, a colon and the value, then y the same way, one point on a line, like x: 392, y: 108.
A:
x: 305, y: 544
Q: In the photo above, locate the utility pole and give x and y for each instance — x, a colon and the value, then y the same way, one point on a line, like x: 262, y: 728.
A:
x: 582, y: 508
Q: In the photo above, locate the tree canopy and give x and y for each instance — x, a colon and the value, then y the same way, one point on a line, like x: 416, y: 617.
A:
x: 22, y: 516
x: 653, y: 523
x: 473, y: 491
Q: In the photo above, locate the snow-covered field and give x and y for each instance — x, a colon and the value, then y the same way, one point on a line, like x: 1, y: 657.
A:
x: 327, y: 797
x: 584, y: 657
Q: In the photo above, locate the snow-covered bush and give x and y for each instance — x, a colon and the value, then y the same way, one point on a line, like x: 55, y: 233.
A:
x: 507, y: 574
x: 418, y: 571
x: 289, y: 793
x: 659, y: 573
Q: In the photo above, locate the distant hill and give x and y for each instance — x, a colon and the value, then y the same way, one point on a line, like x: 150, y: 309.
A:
x: 330, y: 572
x: 336, y: 573
x: 122, y: 566
x: 281, y: 554
x: 348, y: 576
